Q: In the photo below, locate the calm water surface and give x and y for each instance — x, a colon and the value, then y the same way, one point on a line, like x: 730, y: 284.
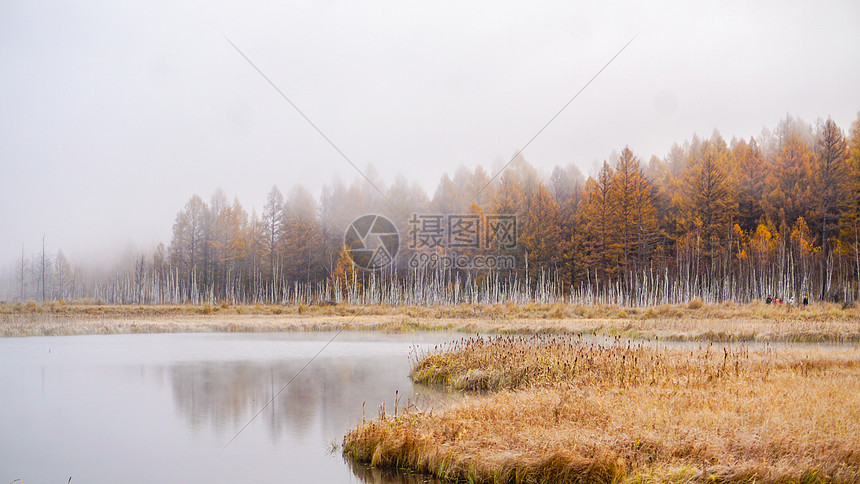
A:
x: 161, y: 407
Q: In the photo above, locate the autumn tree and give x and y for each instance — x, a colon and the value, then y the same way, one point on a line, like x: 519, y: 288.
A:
x: 339, y: 205
x: 301, y: 237
x: 645, y: 219
x: 709, y: 202
x: 564, y: 181
x: 343, y: 276
x: 598, y: 210
x: 571, y: 226
x: 850, y: 221
x: 803, y: 251
x: 776, y: 214
x: 829, y: 188
x: 763, y: 245
x: 406, y: 199
x: 480, y: 187
x: 541, y: 236
x: 635, y: 214
x: 188, y: 242
x: 667, y: 178
x: 230, y: 244
x: 790, y: 180
x: 508, y: 198
x: 623, y: 192
x: 447, y: 197
x: 748, y: 176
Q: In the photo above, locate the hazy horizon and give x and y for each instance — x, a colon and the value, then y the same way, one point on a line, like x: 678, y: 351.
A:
x: 117, y: 113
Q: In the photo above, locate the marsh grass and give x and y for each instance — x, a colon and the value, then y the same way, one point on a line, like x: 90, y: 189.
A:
x: 52, y: 325
x: 718, y: 322
x: 564, y: 410
x: 695, y: 310
x: 511, y: 362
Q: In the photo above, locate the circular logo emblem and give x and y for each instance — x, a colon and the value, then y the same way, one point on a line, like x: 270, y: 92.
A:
x: 372, y: 241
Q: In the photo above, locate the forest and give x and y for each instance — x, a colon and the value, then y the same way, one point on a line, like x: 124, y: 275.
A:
x: 714, y: 220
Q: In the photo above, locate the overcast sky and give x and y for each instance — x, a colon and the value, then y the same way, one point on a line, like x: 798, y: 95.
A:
x: 115, y: 113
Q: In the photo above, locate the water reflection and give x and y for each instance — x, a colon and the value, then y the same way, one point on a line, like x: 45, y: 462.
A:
x: 160, y: 408
x: 322, y: 401
x: 222, y: 396
x: 376, y: 475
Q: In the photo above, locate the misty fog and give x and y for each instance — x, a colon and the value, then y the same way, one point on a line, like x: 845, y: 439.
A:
x: 117, y: 114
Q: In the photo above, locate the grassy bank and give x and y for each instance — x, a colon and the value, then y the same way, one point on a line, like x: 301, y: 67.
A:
x: 563, y: 410
x: 696, y: 310
x: 695, y: 321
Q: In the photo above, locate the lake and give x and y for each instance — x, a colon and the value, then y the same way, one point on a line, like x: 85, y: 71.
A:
x: 163, y: 407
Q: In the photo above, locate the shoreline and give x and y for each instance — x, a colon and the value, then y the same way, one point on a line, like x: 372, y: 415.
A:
x: 708, y: 323
x: 685, y: 331
x: 555, y: 408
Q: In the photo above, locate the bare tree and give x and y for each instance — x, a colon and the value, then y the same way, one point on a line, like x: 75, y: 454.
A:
x: 44, y: 270
x: 188, y: 243
x: 62, y: 277
x: 140, y: 278
x: 273, y: 217
x: 22, y: 270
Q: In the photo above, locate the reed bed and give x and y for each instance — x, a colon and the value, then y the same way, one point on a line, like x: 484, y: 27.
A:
x: 511, y: 362
x: 561, y: 409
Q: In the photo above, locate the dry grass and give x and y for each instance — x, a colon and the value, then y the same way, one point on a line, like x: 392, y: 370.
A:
x: 53, y: 325
x: 695, y: 310
x: 569, y: 411
x: 511, y: 362
x: 722, y: 322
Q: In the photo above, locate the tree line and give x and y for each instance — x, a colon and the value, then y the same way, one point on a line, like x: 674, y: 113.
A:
x: 777, y: 214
